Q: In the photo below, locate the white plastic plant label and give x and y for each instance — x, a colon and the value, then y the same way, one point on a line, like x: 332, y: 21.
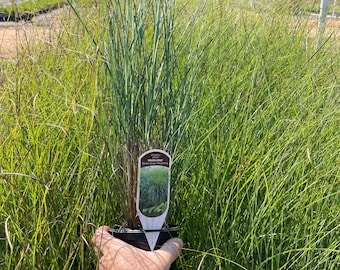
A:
x: 153, y: 192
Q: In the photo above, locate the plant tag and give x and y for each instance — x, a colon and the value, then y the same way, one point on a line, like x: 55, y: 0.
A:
x: 153, y: 192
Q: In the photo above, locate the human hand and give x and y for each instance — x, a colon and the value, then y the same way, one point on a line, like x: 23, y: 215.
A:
x: 118, y: 255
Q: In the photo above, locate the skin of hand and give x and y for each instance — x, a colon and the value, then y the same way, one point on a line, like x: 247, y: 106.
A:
x: 118, y: 255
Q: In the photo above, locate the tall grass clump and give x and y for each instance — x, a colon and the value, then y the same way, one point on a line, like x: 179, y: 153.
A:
x: 149, y: 86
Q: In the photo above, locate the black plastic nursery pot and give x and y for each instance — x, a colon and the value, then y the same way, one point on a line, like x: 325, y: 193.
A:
x: 136, y: 237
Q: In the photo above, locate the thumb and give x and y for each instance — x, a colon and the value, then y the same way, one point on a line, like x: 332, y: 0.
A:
x: 101, y: 237
x: 170, y: 249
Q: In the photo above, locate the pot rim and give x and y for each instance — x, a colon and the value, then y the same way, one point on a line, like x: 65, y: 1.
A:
x: 122, y: 229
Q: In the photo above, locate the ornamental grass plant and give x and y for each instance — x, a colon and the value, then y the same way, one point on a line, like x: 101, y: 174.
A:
x: 149, y: 85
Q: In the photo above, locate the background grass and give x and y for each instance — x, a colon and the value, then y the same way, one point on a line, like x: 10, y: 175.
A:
x: 254, y: 186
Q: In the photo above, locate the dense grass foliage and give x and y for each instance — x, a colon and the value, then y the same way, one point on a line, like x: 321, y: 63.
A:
x: 258, y: 182
x: 255, y: 179
x: 48, y: 170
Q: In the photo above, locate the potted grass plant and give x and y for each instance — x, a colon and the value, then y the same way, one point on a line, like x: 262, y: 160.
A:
x: 149, y: 88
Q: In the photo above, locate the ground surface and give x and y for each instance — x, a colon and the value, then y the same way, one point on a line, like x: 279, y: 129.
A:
x: 15, y: 37
x: 332, y: 26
